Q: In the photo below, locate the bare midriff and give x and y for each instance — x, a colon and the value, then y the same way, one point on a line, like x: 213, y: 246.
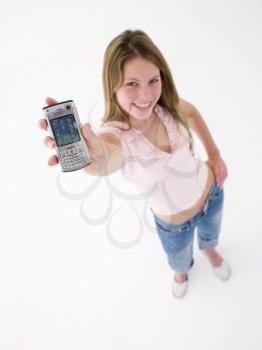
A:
x: 189, y: 213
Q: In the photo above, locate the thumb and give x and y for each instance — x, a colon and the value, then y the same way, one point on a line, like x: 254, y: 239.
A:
x: 93, y: 142
x: 50, y: 101
x: 88, y: 133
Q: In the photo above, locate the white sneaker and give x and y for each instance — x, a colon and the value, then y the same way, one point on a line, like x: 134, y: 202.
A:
x: 179, y: 289
x: 223, y: 271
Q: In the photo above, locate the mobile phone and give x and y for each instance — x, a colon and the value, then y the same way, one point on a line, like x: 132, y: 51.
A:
x: 64, y: 126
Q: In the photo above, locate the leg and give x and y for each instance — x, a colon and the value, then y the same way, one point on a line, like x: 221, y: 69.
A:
x: 209, y: 225
x: 208, y: 232
x: 213, y: 256
x: 177, y: 242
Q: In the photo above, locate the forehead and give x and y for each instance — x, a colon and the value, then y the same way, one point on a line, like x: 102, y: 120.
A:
x: 139, y: 66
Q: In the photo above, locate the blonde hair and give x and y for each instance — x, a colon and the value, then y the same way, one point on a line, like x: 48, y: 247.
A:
x: 124, y: 47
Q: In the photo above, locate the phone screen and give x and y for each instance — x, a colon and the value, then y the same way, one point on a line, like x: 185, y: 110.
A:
x: 65, y: 130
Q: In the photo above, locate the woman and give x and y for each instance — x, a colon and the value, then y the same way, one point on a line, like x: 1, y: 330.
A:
x: 146, y: 133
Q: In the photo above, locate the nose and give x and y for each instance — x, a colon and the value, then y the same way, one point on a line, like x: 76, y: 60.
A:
x: 145, y: 94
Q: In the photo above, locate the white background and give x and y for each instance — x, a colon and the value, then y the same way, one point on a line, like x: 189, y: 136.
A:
x: 63, y: 283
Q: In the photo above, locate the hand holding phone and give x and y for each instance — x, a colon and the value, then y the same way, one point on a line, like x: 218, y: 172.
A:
x: 65, y: 129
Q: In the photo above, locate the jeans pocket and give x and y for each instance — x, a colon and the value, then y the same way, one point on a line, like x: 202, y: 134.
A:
x: 173, y: 229
x: 215, y: 200
x: 184, y: 227
x: 217, y: 191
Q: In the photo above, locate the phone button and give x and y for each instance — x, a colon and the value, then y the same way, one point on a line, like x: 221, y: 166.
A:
x: 71, y: 150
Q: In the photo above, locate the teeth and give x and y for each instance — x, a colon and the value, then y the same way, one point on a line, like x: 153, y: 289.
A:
x: 142, y: 105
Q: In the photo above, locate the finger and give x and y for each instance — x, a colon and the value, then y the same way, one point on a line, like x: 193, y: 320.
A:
x: 53, y: 160
x: 42, y: 123
x: 86, y: 131
x: 49, y: 142
x: 220, y: 185
x: 224, y: 175
x: 224, y: 171
x: 89, y: 136
x: 50, y: 101
x: 220, y: 181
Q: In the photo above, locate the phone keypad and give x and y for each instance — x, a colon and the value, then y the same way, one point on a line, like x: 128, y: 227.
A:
x: 73, y: 157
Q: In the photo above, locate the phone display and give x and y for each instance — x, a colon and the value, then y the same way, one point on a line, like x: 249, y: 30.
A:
x: 65, y: 130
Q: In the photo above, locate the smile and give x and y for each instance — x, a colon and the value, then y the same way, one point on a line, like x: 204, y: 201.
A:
x: 142, y: 106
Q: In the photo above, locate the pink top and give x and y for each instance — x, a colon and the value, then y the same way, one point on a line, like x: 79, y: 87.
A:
x: 172, y: 182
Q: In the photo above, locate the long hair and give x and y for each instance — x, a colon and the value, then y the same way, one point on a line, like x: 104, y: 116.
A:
x: 124, y: 47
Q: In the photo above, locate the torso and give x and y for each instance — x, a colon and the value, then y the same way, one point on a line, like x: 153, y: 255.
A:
x: 189, y: 213
x: 160, y: 140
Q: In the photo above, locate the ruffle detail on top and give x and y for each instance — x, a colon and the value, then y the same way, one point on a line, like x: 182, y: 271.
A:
x: 120, y: 129
x: 136, y: 143
x: 117, y: 124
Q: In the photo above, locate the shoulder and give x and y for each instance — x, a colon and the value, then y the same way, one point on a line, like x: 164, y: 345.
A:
x: 115, y: 126
x: 186, y: 106
x: 110, y: 138
x: 112, y: 132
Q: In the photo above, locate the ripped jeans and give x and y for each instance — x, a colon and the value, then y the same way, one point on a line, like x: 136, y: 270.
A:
x: 177, y: 239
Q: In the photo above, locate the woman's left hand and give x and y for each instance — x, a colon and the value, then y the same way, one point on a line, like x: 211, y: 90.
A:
x: 219, y: 169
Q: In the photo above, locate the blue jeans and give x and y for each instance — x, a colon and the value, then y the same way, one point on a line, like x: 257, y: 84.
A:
x: 177, y: 239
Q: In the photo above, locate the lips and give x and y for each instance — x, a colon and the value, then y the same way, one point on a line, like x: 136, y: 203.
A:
x: 142, y: 107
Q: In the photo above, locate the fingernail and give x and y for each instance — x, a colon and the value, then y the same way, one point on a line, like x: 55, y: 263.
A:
x: 50, y: 144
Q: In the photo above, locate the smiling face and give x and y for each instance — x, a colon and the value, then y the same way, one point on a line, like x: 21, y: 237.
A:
x: 140, y: 90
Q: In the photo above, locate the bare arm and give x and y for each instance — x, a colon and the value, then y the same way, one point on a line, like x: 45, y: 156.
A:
x: 198, y: 125
x: 110, y: 159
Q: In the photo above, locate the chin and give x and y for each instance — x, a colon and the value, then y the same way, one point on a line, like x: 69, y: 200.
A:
x: 141, y: 117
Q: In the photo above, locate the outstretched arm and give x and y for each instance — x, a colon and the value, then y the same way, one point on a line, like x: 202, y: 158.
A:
x: 198, y: 125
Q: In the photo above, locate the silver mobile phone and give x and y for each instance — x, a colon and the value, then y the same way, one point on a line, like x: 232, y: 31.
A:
x: 64, y: 126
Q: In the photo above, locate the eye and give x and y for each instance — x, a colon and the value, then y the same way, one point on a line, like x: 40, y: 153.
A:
x: 130, y: 84
x: 154, y: 80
